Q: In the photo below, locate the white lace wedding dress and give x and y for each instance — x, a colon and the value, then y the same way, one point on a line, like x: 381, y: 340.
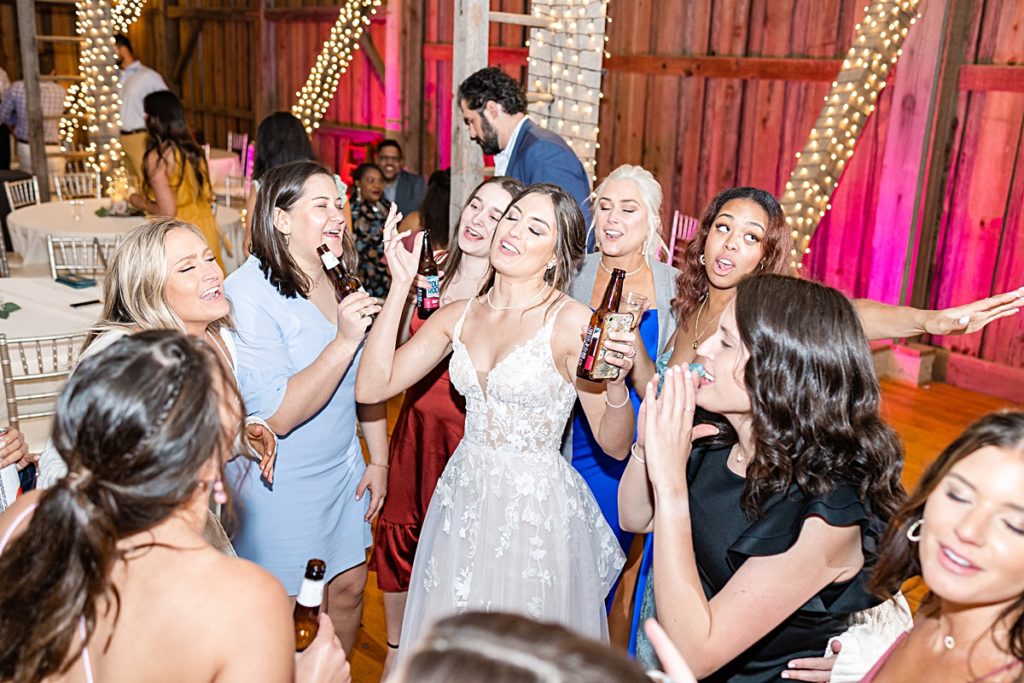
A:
x: 512, y: 527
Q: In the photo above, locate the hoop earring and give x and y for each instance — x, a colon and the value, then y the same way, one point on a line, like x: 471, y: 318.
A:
x: 914, y: 531
x: 703, y: 261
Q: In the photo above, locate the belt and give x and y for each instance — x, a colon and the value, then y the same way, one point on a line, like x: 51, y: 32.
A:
x: 132, y: 132
x: 26, y: 142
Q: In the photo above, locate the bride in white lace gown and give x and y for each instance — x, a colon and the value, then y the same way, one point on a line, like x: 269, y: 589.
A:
x: 511, y: 526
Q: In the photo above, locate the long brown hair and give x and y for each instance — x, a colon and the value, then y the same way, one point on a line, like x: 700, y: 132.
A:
x: 692, y: 282
x: 453, y: 253
x: 167, y: 130
x: 570, y: 233
x: 136, y: 423
x: 898, y: 559
x: 814, y: 397
x: 281, y: 188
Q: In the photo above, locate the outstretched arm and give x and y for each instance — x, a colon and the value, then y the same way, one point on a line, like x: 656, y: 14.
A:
x: 882, y: 321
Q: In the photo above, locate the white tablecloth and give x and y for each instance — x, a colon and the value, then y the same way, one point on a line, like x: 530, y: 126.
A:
x: 222, y: 163
x: 30, y: 225
x: 45, y: 310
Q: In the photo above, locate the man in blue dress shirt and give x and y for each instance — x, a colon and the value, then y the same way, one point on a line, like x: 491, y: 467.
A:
x: 494, y: 108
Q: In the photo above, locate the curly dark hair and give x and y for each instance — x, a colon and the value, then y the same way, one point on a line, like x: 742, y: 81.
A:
x: 493, y: 85
x: 898, y: 558
x: 692, y: 282
x: 814, y: 397
x: 135, y: 423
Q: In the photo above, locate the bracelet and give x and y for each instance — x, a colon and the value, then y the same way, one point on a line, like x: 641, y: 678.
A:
x: 616, y: 405
x: 632, y: 453
x: 377, y: 464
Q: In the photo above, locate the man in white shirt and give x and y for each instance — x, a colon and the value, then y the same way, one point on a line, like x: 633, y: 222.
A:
x: 137, y: 81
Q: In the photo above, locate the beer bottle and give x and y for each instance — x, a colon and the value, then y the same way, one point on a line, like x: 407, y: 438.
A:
x: 344, y: 284
x: 307, y: 604
x: 593, y: 338
x: 428, y: 299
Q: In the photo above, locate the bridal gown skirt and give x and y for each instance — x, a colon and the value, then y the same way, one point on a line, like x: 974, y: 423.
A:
x: 512, y: 531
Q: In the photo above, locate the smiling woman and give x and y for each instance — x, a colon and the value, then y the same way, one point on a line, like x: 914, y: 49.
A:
x: 298, y: 350
x: 511, y: 525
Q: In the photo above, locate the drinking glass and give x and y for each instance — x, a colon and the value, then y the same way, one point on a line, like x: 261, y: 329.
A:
x: 635, y: 304
x: 76, y: 208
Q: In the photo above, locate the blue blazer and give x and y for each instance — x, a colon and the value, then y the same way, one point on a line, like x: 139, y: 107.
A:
x: 542, y: 156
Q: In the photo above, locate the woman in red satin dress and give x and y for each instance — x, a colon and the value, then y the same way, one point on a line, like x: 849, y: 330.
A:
x: 431, y: 422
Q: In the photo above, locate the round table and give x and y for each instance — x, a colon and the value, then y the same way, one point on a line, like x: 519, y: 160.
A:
x: 30, y: 225
x: 45, y: 310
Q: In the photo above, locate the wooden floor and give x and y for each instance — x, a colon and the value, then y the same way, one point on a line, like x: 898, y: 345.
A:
x: 927, y: 418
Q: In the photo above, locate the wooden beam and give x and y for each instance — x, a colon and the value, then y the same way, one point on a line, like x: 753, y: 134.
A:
x: 186, y: 54
x: 520, y: 19
x: 411, y: 120
x: 373, y: 55
x: 33, y: 103
x: 470, y: 55
x: 693, y: 66
x: 326, y: 13
x: 708, y: 66
x: 212, y: 14
x: 992, y: 77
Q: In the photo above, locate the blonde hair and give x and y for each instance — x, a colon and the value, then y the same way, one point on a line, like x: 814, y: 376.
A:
x: 133, y: 291
x: 650, y: 194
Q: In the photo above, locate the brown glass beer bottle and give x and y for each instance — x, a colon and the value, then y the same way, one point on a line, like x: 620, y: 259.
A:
x: 344, y: 284
x: 592, y: 339
x: 428, y: 299
x: 307, y: 604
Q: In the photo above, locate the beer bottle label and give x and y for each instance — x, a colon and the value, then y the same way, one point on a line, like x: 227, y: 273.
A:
x: 311, y: 593
x: 593, y: 336
x: 432, y: 298
x: 329, y: 260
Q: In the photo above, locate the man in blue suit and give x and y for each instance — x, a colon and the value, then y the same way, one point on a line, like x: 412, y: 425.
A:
x: 494, y: 108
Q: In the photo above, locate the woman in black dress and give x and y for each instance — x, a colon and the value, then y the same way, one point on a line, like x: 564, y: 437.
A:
x: 766, y: 530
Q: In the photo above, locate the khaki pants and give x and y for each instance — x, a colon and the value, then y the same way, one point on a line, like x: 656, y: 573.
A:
x: 134, y: 147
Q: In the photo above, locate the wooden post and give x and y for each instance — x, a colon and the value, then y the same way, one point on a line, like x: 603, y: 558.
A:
x: 411, y: 77
x: 936, y: 170
x: 903, y: 175
x: 33, y: 103
x: 393, y: 120
x: 469, y: 54
x: 265, y: 94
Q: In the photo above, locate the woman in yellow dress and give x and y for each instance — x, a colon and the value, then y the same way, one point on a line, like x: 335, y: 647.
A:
x: 175, y: 178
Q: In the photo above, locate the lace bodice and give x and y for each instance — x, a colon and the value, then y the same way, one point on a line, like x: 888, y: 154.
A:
x: 523, y: 403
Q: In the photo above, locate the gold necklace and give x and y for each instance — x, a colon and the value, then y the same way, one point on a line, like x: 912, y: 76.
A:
x: 630, y: 273
x: 696, y: 323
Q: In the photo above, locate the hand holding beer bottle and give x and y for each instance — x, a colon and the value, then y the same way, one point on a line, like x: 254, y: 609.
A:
x: 608, y: 349
x: 324, y: 661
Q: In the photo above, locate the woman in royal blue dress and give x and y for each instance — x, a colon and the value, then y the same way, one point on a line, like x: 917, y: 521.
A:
x: 298, y: 351
x: 627, y: 230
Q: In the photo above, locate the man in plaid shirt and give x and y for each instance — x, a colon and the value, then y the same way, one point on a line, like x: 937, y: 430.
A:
x: 14, y: 112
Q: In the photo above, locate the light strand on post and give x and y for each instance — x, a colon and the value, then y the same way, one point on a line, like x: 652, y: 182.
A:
x: 78, y: 103
x: 563, y: 88
x: 849, y: 104
x: 315, y: 96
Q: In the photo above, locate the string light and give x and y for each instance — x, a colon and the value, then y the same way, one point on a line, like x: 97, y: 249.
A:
x: 850, y: 102
x: 78, y: 103
x: 565, y: 64
x: 315, y: 96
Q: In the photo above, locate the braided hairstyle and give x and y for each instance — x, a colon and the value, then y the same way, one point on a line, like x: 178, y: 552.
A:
x: 135, y: 424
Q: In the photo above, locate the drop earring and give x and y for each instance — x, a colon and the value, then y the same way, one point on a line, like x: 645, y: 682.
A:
x: 220, y: 496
